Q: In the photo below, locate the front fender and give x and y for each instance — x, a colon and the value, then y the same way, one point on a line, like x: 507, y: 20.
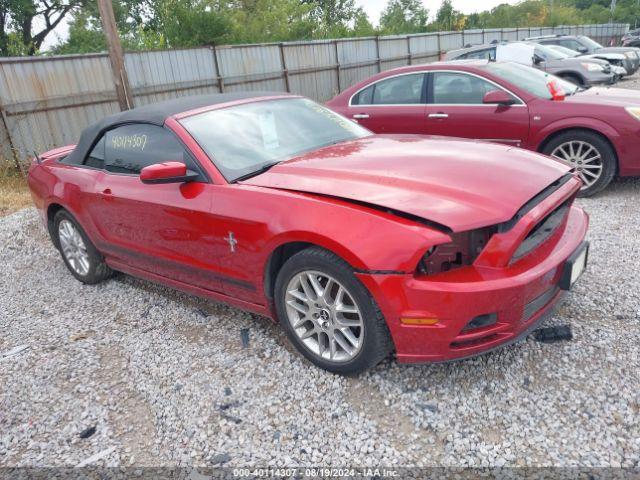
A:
x: 596, y: 125
x: 367, y: 238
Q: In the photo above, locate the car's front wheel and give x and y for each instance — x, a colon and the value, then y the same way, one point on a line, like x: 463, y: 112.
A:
x: 328, y: 315
x: 80, y: 255
x: 590, y: 155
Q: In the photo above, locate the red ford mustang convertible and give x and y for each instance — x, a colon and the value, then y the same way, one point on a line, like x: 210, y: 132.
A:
x: 358, y: 244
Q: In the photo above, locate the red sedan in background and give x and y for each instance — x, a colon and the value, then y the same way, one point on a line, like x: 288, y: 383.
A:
x: 596, y: 130
x: 358, y: 244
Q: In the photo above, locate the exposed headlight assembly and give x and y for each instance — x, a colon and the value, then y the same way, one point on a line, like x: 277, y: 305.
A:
x: 634, y: 112
x: 592, y: 67
x: 462, y: 251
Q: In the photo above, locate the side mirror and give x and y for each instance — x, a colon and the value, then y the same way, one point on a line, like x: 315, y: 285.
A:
x: 498, y: 97
x: 582, y: 49
x: 537, y: 60
x: 167, y: 172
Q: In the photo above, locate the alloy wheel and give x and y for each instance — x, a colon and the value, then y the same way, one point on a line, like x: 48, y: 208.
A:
x: 73, y: 248
x: 583, y: 157
x: 324, y: 316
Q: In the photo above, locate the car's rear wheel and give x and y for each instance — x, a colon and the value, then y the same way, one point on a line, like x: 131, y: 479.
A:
x: 328, y: 314
x: 79, y: 254
x: 590, y: 155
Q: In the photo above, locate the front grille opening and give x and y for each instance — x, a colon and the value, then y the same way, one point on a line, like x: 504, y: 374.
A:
x: 481, y: 321
x: 475, y: 342
x: 535, y: 305
x: 543, y: 230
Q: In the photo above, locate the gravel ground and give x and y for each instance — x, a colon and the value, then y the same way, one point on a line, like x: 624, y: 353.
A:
x: 165, y: 380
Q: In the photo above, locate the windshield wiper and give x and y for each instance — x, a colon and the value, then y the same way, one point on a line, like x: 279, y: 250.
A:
x: 262, y: 169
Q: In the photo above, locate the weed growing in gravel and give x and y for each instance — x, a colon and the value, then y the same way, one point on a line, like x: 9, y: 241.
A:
x: 14, y: 194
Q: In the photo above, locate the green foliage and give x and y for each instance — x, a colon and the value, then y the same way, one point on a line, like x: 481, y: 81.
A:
x: 271, y: 21
x: 448, y: 18
x: 149, y: 24
x: 24, y: 24
x: 85, y: 36
x: 404, y: 16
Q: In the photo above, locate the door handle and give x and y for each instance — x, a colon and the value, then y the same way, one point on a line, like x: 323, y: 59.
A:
x: 438, y: 115
x: 361, y: 115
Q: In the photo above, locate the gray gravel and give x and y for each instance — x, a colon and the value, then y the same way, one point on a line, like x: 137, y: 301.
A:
x: 164, y: 378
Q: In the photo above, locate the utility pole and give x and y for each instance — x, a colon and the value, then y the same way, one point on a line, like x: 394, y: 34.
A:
x: 116, y: 56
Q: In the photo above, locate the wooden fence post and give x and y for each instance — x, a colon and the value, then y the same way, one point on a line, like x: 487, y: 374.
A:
x: 217, y: 66
x: 335, y: 47
x: 285, y: 71
x: 12, y: 147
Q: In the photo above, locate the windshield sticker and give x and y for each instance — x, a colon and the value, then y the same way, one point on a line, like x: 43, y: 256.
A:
x: 267, y: 123
x: 129, y: 142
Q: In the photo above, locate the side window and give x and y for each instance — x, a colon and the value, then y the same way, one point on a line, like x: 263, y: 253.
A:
x: 459, y: 88
x: 486, y: 54
x: 130, y: 148
x: 572, y: 44
x: 364, y: 97
x: 405, y: 89
x: 96, y: 157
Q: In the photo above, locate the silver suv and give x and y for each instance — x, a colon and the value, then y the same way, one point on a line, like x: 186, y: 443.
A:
x: 583, y: 72
x: 584, y: 44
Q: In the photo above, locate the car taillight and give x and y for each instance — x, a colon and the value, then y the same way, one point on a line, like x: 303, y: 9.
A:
x: 463, y: 249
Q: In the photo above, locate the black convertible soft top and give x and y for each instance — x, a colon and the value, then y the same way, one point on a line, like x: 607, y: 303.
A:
x: 154, y: 114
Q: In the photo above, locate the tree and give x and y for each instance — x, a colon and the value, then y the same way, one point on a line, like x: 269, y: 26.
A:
x: 329, y: 14
x: 271, y: 21
x: 25, y: 24
x: 189, y: 23
x: 448, y: 18
x: 404, y: 16
x: 362, y: 27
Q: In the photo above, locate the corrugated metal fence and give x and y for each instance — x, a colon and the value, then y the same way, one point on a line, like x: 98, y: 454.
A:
x: 47, y: 101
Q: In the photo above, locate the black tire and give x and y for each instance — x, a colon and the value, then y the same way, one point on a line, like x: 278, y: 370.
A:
x: 376, y: 344
x: 607, y: 154
x: 98, y: 269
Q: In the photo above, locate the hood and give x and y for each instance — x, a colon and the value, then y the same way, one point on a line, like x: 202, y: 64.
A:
x: 614, y: 97
x: 605, y: 55
x: 617, y: 50
x: 574, y: 63
x: 461, y: 184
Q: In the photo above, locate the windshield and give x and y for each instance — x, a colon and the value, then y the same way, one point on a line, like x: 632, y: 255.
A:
x: 246, y: 139
x: 567, y: 51
x: 530, y: 79
x: 548, y: 53
x: 591, y: 43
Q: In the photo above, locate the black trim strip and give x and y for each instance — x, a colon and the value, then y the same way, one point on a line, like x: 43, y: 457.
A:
x: 527, y: 207
x: 379, y: 272
x: 179, y: 266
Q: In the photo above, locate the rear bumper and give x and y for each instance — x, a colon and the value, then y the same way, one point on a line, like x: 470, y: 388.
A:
x: 520, y: 295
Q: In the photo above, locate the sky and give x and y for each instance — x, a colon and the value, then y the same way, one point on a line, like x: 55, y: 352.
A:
x: 372, y: 7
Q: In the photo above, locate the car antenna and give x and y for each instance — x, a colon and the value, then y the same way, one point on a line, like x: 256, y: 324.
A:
x: 37, y: 157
